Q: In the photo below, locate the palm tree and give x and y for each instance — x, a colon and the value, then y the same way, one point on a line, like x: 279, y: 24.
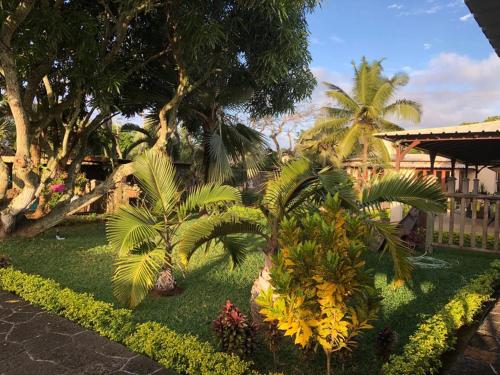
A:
x: 145, y: 138
x: 145, y: 236
x: 298, y: 187
x: 350, y: 126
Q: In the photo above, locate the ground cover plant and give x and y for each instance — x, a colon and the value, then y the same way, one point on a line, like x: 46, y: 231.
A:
x: 84, y: 263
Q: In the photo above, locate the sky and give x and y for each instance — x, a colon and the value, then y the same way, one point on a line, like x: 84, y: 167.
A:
x: 454, y: 72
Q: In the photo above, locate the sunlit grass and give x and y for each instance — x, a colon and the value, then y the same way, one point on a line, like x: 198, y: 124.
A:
x: 84, y: 263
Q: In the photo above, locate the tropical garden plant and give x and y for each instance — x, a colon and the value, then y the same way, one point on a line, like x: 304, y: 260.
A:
x: 145, y: 236
x: 347, y: 130
x: 296, y: 187
x: 322, y: 294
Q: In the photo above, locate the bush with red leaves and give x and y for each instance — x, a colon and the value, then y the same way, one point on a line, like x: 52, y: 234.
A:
x: 235, y: 332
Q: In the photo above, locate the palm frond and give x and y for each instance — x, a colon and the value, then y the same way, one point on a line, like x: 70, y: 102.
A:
x: 349, y: 140
x: 405, y: 109
x: 131, y: 227
x: 156, y: 175
x: 382, y: 95
x: 236, y: 247
x: 394, y: 246
x: 420, y: 192
x: 202, y: 196
x: 135, y: 275
x: 342, y: 98
x: 194, y: 234
x: 280, y: 189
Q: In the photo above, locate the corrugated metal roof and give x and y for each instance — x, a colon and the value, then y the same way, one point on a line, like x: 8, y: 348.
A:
x: 490, y: 127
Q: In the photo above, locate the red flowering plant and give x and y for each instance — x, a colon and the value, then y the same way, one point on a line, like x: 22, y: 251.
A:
x: 235, y: 332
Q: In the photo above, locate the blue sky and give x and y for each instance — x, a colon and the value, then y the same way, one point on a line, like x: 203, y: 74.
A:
x: 453, y: 70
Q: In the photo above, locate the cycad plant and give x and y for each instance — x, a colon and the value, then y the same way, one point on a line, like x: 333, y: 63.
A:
x: 298, y: 187
x: 145, y: 236
x: 349, y: 127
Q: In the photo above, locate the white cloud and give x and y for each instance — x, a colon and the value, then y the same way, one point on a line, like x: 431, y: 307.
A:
x: 336, y: 39
x: 466, y: 18
x: 427, y: 46
x: 395, y: 6
x: 452, y: 89
x: 455, y: 88
x: 434, y: 7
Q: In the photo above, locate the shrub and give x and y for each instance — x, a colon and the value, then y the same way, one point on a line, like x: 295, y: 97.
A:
x: 322, y: 294
x: 235, y: 333
x: 385, y: 343
x: 435, y: 336
x: 183, y: 353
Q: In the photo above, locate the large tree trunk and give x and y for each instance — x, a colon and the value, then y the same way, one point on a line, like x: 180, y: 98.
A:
x: 69, y: 206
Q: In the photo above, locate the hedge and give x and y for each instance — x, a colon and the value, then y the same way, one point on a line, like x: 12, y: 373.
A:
x: 435, y: 336
x: 182, y: 353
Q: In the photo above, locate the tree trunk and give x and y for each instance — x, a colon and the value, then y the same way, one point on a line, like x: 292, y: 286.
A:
x: 68, y: 206
x: 262, y: 283
x: 328, y: 362
x: 365, y: 162
x: 166, y: 283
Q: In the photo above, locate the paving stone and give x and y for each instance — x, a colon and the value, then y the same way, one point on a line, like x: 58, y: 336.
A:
x: 19, y: 317
x: 33, y: 342
x: 91, y: 340
x: 5, y: 327
x: 141, y: 365
x: 9, y: 349
x: 41, y: 347
x: 485, y: 342
x: 114, y: 349
x: 38, y: 368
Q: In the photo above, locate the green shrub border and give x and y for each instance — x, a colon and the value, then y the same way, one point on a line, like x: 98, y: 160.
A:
x: 182, y: 353
x: 422, y: 354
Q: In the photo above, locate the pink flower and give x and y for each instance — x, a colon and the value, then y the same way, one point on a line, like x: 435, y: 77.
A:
x: 57, y: 188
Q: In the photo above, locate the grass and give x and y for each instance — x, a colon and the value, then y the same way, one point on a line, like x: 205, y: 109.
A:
x: 83, y: 263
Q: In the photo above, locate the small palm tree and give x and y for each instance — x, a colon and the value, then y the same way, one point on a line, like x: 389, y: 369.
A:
x: 349, y: 127
x: 145, y: 236
x: 298, y: 187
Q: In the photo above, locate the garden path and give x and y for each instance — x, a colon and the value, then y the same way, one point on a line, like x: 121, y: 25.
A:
x: 35, y: 342
x: 482, y: 352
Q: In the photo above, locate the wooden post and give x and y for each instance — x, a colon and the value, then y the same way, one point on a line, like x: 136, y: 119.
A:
x: 451, y: 227
x: 497, y: 224
x: 429, y: 230
x: 475, y: 190
x: 463, y: 204
x: 485, y: 223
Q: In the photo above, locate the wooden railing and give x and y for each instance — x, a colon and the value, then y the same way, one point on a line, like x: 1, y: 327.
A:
x: 471, y: 222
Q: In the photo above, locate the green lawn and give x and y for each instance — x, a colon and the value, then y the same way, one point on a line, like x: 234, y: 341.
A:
x: 83, y: 263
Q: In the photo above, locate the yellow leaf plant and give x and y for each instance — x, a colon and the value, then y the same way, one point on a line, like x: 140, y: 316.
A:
x: 321, y: 295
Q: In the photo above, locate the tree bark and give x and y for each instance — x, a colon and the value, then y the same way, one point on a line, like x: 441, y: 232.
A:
x: 166, y: 283
x: 262, y: 283
x: 68, y: 206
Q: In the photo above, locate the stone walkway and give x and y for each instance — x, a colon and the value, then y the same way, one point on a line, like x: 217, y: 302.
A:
x: 481, y: 356
x: 35, y: 342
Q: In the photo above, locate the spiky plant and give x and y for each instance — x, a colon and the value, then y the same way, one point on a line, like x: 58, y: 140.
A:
x: 298, y: 186
x: 348, y: 129
x: 145, y: 236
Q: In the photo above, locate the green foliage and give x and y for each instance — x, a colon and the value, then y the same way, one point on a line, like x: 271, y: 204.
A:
x: 183, y: 353
x: 490, y: 241
x: 321, y: 293
x: 145, y: 236
x: 84, y: 263
x: 235, y: 332
x: 348, y: 129
x: 434, y: 337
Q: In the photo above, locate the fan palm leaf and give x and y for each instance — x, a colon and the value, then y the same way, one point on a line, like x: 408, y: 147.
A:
x: 135, y: 275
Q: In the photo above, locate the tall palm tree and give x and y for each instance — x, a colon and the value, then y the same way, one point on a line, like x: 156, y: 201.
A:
x: 145, y: 236
x: 350, y: 126
x: 298, y: 187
